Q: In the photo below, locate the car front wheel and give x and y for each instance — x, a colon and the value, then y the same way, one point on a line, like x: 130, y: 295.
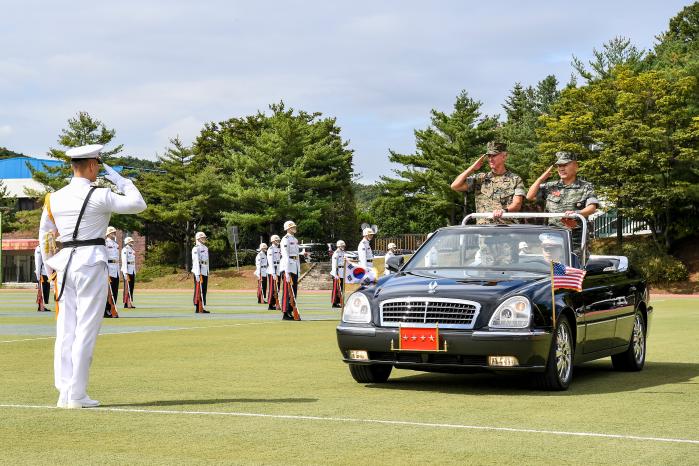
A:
x: 559, y: 367
x: 370, y: 373
x: 634, y: 358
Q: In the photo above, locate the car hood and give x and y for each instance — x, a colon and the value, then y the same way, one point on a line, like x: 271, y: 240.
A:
x: 488, y: 292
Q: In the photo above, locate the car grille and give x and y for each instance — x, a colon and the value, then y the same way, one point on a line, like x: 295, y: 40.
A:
x: 429, y: 312
x: 429, y: 358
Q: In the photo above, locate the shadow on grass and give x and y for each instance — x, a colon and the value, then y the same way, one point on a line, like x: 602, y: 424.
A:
x: 593, y: 378
x: 215, y: 401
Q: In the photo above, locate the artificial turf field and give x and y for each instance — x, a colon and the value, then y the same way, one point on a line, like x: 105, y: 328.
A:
x: 242, y: 386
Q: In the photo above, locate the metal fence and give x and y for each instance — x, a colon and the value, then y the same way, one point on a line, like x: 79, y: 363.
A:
x: 605, y: 226
x: 403, y: 242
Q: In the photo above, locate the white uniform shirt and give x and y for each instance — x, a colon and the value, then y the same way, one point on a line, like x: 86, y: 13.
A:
x: 261, y: 265
x: 388, y: 255
x: 128, y: 260
x: 274, y: 256
x: 290, y: 255
x: 365, y: 254
x: 200, y: 260
x: 65, y: 206
x: 39, y: 263
x: 338, y: 264
x: 112, y: 257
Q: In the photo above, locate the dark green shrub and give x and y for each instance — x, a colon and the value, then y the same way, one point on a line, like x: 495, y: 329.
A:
x: 162, y: 253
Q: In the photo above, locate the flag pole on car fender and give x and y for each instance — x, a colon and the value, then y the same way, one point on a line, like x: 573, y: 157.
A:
x: 553, y: 301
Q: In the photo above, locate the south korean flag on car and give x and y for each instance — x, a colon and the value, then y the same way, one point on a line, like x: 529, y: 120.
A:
x: 354, y: 274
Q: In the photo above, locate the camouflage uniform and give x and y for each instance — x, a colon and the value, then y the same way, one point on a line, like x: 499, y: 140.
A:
x: 495, y: 192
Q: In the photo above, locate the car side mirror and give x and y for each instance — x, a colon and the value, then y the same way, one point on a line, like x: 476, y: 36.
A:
x: 394, y: 263
x: 599, y: 266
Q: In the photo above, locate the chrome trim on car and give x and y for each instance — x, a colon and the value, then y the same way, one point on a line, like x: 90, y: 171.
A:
x: 518, y: 334
x: 432, y: 318
x: 363, y: 331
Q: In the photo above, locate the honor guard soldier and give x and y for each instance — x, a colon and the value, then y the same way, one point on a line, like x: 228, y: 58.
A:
x: 42, y: 280
x: 569, y: 195
x: 498, y: 191
x: 200, y: 270
x: 128, y: 269
x: 337, y: 270
x: 274, y: 256
x: 290, y: 266
x: 364, y: 252
x: 113, y: 272
x: 77, y: 216
x: 261, y: 273
x: 390, y: 253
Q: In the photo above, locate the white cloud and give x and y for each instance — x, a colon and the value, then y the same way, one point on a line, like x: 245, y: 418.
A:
x: 5, y: 130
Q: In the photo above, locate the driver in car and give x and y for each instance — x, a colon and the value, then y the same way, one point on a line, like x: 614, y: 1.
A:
x: 552, y: 247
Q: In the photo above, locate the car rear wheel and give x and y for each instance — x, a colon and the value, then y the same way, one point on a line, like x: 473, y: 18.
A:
x: 370, y: 373
x: 634, y: 358
x: 559, y: 367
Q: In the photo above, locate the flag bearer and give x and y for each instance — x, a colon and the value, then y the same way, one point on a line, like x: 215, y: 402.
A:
x: 200, y: 270
x: 290, y: 266
x: 338, y: 273
x: 261, y: 273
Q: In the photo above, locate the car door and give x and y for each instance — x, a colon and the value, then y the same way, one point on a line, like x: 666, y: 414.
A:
x: 599, y: 311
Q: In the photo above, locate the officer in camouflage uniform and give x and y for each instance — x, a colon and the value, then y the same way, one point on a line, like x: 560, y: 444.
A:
x: 497, y: 191
x: 569, y: 195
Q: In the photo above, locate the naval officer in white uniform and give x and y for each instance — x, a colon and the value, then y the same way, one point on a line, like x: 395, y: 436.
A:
x: 81, y: 265
x: 113, y: 270
x: 364, y: 253
x: 200, y: 270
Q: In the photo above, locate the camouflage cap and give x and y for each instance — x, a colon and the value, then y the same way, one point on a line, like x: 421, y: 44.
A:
x: 563, y: 157
x: 495, y: 147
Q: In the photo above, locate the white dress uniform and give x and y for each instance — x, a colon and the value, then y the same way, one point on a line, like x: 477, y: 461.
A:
x: 388, y: 255
x: 128, y: 260
x: 365, y: 254
x: 200, y: 260
x: 274, y: 256
x: 40, y: 269
x: 112, y: 257
x: 261, y: 265
x: 82, y: 273
x: 289, y: 261
x: 337, y: 267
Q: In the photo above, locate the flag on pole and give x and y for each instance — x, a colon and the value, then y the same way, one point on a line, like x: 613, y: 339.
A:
x: 357, y: 274
x: 563, y: 276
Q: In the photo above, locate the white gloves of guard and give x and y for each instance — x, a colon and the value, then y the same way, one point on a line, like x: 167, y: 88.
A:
x: 114, y: 177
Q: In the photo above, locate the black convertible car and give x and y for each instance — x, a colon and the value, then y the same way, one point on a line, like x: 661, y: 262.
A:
x: 477, y: 297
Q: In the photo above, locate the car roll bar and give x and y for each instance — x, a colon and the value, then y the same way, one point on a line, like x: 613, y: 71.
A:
x: 580, y: 218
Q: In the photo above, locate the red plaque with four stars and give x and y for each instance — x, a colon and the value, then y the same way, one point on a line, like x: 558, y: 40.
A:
x: 418, y: 339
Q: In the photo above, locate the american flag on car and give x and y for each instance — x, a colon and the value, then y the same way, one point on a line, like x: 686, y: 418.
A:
x: 566, y: 277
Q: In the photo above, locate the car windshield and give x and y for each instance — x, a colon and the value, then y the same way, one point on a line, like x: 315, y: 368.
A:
x: 490, y: 251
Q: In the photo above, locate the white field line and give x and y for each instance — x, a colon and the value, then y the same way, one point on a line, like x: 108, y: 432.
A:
x: 151, y: 331
x: 378, y: 421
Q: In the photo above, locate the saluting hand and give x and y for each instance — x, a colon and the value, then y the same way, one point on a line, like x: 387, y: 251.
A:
x: 479, y: 163
x: 545, y: 176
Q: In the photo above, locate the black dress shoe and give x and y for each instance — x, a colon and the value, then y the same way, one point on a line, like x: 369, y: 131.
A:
x: 286, y: 316
x: 205, y: 311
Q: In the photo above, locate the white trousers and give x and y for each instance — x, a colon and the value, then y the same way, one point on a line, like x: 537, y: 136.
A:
x: 81, y: 310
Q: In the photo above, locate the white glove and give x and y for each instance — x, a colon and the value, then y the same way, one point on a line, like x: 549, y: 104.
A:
x: 114, y: 177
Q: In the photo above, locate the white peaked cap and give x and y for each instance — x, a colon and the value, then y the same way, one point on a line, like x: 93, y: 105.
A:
x: 110, y: 230
x: 263, y: 246
x: 391, y: 246
x: 91, y: 151
x: 289, y: 224
x: 548, y: 238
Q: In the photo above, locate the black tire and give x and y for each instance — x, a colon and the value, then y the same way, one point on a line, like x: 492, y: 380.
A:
x: 370, y: 373
x: 559, y: 365
x: 634, y: 358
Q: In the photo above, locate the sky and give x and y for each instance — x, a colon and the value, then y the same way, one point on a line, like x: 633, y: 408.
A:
x: 154, y: 70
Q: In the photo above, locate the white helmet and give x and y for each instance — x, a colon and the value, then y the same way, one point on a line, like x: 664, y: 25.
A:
x: 263, y: 246
x: 110, y: 230
x: 199, y: 235
x: 391, y: 246
x: 289, y: 224
x: 128, y: 240
x: 274, y: 238
x: 368, y: 231
x: 523, y: 245
x: 340, y: 244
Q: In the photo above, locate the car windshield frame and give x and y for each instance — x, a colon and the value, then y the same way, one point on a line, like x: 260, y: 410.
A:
x: 454, y: 251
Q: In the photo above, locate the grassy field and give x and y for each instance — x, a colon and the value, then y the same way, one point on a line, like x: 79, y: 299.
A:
x: 242, y: 386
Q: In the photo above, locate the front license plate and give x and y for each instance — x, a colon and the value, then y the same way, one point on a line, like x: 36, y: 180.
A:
x: 418, y: 339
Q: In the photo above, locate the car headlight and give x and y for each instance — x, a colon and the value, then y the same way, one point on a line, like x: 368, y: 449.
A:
x: 514, y: 312
x: 357, y: 309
